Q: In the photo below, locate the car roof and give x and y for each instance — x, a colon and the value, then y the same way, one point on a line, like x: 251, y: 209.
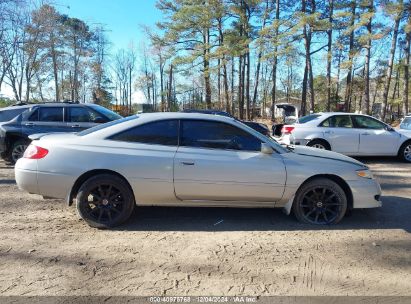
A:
x: 16, y: 107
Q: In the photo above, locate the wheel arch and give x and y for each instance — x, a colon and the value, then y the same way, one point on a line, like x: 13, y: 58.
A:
x: 85, y: 176
x: 406, y: 142
x: 319, y: 139
x: 339, y: 181
x: 12, y: 138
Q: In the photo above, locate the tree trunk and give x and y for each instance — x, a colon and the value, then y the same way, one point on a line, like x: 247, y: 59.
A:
x: 170, y: 88
x: 390, y: 67
x: 304, y: 93
x: 367, y: 62
x: 329, y: 54
x: 405, y: 102
x: 348, y: 89
x: 275, y: 62
x: 206, y: 39
x: 307, y: 33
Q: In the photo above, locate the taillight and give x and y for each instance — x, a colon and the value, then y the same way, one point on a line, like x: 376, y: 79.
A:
x: 35, y: 152
x: 287, y: 129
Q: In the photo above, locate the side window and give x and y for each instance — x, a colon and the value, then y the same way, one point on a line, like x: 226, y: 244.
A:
x: 47, y: 114
x: 82, y: 114
x: 338, y: 121
x: 163, y: 132
x: 364, y: 122
x: 34, y: 116
x: 217, y: 135
x: 326, y: 123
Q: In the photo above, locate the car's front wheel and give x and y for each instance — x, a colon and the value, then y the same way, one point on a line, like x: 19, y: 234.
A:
x: 105, y: 201
x: 405, y: 152
x: 320, y: 201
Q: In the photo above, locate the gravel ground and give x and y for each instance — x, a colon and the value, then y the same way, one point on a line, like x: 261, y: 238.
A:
x: 46, y: 250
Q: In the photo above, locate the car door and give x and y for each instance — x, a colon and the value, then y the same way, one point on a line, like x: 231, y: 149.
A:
x: 45, y: 120
x: 147, y: 152
x: 339, y: 132
x: 217, y: 161
x: 375, y: 138
x: 81, y: 118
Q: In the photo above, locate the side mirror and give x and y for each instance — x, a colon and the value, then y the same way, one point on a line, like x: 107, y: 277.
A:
x: 266, y: 149
x: 389, y: 129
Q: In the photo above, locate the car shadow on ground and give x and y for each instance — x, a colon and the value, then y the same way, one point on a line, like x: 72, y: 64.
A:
x: 395, y: 214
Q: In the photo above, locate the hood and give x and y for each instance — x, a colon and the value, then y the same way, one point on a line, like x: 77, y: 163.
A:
x: 406, y: 133
x: 308, y: 151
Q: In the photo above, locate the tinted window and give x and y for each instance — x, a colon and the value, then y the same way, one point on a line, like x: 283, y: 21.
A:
x: 47, y: 114
x: 406, y: 124
x: 308, y: 118
x: 7, y: 115
x: 339, y: 121
x: 106, y: 125
x: 364, y: 122
x: 217, y: 135
x: 163, y: 132
x: 106, y: 112
x: 83, y: 114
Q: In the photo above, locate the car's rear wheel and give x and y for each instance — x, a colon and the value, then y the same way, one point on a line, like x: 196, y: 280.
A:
x: 321, y: 202
x: 319, y: 144
x: 105, y: 201
x: 405, y: 152
x: 17, y: 150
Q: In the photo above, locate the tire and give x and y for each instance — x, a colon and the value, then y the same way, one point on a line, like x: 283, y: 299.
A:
x: 17, y: 150
x: 105, y: 201
x: 320, y: 201
x: 405, y: 152
x: 319, y: 144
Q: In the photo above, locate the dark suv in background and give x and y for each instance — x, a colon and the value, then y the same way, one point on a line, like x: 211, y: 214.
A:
x: 47, y: 118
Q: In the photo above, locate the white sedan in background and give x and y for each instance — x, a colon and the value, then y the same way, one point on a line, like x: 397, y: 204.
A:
x: 185, y: 159
x: 350, y: 134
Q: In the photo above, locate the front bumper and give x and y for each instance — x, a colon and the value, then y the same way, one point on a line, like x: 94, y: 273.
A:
x: 366, y: 193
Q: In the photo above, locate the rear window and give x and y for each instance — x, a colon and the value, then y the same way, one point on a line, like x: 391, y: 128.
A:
x: 7, y: 115
x: 308, y: 118
x: 106, y: 125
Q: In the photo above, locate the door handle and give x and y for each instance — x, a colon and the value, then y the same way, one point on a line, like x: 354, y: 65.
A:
x: 365, y: 133
x: 187, y: 163
x: 328, y: 132
x: 29, y: 124
x: 75, y: 126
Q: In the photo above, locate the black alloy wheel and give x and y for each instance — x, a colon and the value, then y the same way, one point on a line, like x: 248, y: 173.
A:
x: 320, y: 202
x: 105, y: 201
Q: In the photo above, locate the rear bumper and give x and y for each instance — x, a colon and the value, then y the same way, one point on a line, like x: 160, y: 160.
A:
x: 47, y: 184
x: 25, y: 172
x: 366, y: 193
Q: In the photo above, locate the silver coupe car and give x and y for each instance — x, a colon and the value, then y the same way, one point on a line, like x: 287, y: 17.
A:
x: 187, y: 159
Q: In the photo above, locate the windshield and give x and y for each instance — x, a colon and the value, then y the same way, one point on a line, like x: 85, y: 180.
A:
x: 406, y: 123
x: 106, y: 125
x: 106, y: 112
x: 308, y: 118
x: 7, y: 115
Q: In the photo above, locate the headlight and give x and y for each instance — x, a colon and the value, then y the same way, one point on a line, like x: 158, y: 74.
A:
x: 364, y: 173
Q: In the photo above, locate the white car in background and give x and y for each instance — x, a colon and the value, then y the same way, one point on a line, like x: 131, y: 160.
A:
x: 405, y: 126
x: 350, y: 134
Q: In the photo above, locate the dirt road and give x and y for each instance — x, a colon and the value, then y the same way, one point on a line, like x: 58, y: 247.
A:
x: 46, y: 250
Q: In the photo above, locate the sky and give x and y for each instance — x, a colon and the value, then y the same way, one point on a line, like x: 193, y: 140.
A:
x: 121, y: 18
